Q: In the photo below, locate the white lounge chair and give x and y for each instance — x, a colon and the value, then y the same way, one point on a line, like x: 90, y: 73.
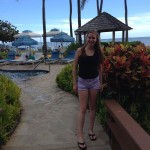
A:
x: 37, y: 57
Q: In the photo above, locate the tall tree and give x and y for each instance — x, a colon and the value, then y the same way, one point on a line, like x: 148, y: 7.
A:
x: 126, y: 19
x: 70, y: 18
x: 79, y: 20
x: 44, y: 29
x: 7, y: 31
x: 99, y: 6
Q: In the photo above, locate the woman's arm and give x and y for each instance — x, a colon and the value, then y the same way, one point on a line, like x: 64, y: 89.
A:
x: 74, y: 72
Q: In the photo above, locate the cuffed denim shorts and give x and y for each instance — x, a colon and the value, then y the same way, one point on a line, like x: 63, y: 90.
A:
x: 86, y: 84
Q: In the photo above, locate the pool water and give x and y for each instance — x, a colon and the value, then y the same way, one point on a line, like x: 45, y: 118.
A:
x: 22, y: 74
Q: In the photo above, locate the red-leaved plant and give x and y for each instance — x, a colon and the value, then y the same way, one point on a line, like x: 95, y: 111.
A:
x: 125, y: 68
x: 126, y: 76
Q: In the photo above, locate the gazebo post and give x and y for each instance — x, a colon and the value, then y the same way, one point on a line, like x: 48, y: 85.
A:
x: 84, y: 36
x: 123, y: 36
x: 113, y: 36
x: 77, y: 37
x: 99, y: 36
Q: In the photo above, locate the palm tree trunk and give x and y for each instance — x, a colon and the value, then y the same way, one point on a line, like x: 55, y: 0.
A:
x: 101, y: 6
x: 79, y: 20
x: 97, y: 4
x: 70, y: 18
x: 126, y: 18
x: 44, y: 29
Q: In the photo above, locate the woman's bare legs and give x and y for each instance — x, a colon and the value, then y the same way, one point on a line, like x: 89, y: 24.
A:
x: 83, y: 100
x: 92, y: 107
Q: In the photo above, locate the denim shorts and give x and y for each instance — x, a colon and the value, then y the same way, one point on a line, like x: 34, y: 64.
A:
x: 86, y: 84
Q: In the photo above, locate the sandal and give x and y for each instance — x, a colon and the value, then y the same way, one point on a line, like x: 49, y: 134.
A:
x: 92, y: 137
x: 83, y: 147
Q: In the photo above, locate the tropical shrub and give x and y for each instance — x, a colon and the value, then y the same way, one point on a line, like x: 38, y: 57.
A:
x: 126, y: 73
x: 128, y: 67
x: 110, y: 43
x: 64, y: 79
x: 127, y: 70
x: 11, y: 107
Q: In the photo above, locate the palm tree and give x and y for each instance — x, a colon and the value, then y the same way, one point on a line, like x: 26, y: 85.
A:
x: 101, y: 6
x: 99, y: 9
x: 126, y: 18
x: 97, y: 4
x: 70, y: 18
x: 44, y: 29
x: 79, y: 20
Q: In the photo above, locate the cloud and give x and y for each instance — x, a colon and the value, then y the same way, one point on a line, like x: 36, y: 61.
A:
x: 63, y: 24
x: 140, y: 24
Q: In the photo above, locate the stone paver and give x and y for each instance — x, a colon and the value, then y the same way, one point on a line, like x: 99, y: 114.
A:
x: 49, y: 116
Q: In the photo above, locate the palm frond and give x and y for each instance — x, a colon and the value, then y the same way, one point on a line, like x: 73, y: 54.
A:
x: 82, y: 4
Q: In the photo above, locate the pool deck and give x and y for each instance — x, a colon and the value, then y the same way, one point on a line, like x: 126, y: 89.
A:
x: 49, y: 116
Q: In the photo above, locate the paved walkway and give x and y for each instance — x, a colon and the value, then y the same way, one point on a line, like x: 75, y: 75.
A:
x: 49, y: 116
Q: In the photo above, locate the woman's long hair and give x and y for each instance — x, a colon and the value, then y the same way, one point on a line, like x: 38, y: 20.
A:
x: 97, y: 46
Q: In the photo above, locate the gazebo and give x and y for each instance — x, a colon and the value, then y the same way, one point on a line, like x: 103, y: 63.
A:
x: 103, y: 23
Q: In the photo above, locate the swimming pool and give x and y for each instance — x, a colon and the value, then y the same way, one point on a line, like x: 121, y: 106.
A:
x: 22, y: 74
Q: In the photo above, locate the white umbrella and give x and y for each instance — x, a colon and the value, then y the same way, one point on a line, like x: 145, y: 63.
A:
x: 28, y: 33
x: 53, y: 32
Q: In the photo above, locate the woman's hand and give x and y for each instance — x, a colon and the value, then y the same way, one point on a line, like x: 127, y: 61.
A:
x: 75, y: 88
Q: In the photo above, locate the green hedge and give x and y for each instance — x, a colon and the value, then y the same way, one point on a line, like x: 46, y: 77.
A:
x: 11, y: 107
x: 64, y: 79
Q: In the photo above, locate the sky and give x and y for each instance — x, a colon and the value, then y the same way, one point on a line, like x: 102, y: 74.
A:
x: 27, y: 15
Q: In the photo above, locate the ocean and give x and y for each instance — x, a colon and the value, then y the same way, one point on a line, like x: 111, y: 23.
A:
x: 145, y: 40
x: 53, y: 45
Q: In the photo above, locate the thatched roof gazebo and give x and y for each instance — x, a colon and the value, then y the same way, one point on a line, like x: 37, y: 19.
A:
x: 103, y: 23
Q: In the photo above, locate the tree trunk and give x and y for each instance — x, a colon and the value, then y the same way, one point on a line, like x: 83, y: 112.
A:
x: 79, y: 21
x: 97, y: 4
x: 70, y: 18
x: 44, y: 29
x: 101, y: 6
x: 126, y: 18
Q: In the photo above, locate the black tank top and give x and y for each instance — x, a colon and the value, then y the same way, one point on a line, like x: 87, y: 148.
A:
x: 88, y: 66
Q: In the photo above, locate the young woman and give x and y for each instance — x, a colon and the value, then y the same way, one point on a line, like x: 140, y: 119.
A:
x: 87, y: 82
